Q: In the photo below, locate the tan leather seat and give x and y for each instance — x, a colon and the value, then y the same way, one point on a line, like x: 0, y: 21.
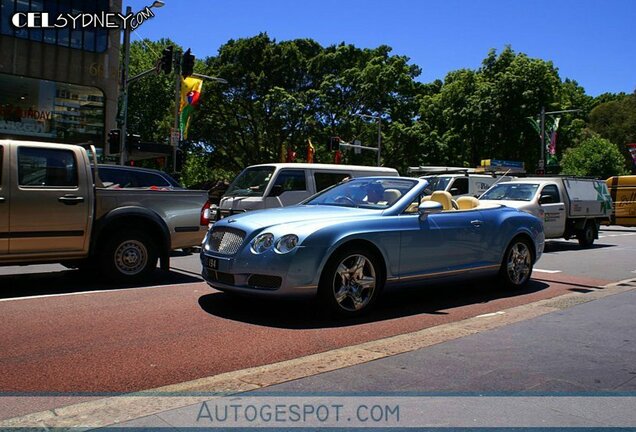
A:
x: 444, y: 198
x: 391, y: 196
x: 467, y: 203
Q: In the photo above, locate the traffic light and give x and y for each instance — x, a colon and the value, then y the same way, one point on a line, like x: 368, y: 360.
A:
x: 334, y: 143
x: 165, y: 64
x: 132, y: 142
x: 187, y: 64
x: 114, y: 141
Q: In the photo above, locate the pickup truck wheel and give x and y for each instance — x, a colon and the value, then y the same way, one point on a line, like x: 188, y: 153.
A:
x: 351, y: 282
x: 517, y: 264
x: 587, y: 235
x: 128, y: 256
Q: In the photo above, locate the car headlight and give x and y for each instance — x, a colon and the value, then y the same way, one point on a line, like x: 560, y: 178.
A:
x: 262, y: 243
x: 287, y: 243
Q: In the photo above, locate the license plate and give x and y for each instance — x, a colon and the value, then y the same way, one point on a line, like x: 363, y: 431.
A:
x: 213, y: 263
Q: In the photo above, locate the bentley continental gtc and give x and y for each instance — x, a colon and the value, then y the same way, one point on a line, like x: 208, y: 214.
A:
x: 347, y: 242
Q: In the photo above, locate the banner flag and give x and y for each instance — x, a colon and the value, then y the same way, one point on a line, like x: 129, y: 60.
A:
x: 311, y: 151
x: 190, y: 94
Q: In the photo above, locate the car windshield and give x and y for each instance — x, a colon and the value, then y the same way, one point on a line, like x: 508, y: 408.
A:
x: 368, y: 193
x: 251, y: 182
x: 511, y: 192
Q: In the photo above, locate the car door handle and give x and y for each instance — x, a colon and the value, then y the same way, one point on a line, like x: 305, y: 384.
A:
x: 2, y: 199
x: 561, y: 209
x: 477, y: 222
x: 70, y: 199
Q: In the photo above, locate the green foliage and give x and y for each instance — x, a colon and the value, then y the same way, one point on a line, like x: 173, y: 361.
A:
x: 594, y: 156
x: 150, y: 99
x: 280, y: 94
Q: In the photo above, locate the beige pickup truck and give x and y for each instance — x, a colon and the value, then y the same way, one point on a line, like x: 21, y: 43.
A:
x: 55, y: 209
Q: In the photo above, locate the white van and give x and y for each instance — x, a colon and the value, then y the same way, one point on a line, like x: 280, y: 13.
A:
x: 283, y: 184
x: 464, y: 184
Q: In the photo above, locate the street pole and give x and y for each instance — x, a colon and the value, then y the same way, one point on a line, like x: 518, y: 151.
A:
x: 123, y: 155
x: 379, y: 137
x: 177, y: 102
x: 542, y: 127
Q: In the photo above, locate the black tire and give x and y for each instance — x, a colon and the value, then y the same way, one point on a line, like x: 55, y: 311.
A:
x: 358, y: 298
x: 128, y: 256
x: 517, y: 264
x: 587, y: 235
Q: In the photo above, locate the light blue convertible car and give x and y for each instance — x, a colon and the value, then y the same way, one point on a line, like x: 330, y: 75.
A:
x: 347, y: 242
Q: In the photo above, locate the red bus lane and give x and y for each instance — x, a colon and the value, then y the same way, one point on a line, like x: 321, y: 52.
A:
x: 135, y: 339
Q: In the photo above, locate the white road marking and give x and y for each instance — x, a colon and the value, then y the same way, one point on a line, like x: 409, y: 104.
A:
x: 132, y: 289
x: 547, y: 271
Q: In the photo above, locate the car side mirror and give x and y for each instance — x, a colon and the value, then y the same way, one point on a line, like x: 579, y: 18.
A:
x: 454, y: 191
x: 277, y: 190
x: 545, y: 199
x: 429, y: 207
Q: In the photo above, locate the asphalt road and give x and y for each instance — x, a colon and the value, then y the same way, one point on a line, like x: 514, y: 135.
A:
x: 64, y: 332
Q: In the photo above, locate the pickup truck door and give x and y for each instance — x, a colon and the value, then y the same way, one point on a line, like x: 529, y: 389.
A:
x: 4, y: 201
x: 51, y: 200
x: 554, y: 211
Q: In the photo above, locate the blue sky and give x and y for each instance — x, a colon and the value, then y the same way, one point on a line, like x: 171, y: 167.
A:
x: 590, y: 41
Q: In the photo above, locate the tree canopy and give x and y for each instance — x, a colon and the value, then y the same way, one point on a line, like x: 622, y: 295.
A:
x: 280, y: 94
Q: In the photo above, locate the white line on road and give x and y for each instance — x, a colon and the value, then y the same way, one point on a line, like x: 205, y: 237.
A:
x: 547, y: 271
x: 131, y: 289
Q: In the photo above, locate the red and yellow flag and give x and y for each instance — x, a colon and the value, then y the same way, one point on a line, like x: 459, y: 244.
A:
x: 190, y: 94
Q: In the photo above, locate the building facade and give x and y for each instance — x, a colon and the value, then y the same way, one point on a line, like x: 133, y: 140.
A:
x: 58, y: 84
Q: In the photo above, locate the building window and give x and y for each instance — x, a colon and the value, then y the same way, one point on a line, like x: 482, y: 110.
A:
x: 50, y: 111
x: 90, y: 39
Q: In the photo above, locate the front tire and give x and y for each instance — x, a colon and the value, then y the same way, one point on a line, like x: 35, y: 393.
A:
x: 517, y: 264
x: 587, y: 235
x: 128, y: 256
x: 351, y: 282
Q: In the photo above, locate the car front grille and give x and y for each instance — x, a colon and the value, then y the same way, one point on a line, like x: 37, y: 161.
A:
x: 225, y: 241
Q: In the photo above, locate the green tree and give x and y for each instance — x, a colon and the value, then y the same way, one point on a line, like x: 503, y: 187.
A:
x: 593, y: 156
x: 616, y: 121
x: 151, y: 99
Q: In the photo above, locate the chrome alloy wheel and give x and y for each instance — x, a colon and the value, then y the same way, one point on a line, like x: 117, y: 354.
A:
x: 354, y: 283
x: 131, y: 257
x: 519, y: 263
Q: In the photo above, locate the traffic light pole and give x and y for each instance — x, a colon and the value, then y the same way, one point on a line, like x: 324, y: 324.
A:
x: 123, y: 155
x: 177, y: 103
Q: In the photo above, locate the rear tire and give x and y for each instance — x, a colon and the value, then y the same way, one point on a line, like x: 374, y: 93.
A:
x: 128, y: 256
x: 351, y: 282
x: 517, y: 264
x: 587, y: 235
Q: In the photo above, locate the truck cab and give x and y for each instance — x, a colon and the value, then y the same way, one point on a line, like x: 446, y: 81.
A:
x: 569, y: 207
